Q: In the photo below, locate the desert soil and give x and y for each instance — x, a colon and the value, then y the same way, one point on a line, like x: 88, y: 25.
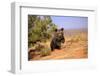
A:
x: 74, y: 50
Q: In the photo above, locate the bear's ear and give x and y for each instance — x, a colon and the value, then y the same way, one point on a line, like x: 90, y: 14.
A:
x: 56, y: 30
x: 62, y: 29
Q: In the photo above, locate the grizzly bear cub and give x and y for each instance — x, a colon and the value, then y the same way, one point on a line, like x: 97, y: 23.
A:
x: 57, y: 39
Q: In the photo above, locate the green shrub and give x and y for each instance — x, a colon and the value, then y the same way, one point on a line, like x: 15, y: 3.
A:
x: 45, y: 51
x: 39, y: 28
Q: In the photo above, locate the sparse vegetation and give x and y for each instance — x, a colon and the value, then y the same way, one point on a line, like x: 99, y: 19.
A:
x: 45, y: 52
x: 40, y: 30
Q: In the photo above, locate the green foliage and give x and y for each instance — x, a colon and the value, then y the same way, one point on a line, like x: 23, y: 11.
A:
x: 45, y: 51
x: 39, y: 28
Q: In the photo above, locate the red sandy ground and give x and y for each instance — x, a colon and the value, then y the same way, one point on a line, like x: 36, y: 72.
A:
x: 69, y: 50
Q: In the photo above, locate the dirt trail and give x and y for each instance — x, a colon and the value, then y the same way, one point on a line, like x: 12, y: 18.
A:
x: 75, y: 51
x: 78, y: 51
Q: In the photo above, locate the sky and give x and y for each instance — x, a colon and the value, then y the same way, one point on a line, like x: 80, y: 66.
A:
x: 70, y: 22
